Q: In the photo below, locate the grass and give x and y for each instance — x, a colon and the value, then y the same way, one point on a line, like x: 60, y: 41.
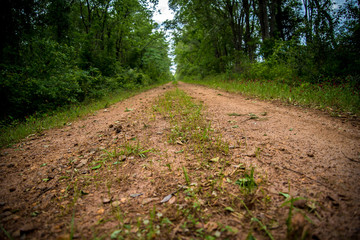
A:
x: 188, y: 125
x: 335, y: 99
x: 16, y: 131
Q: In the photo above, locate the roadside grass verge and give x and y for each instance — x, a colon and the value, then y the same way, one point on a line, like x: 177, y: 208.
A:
x: 336, y: 99
x: 16, y: 131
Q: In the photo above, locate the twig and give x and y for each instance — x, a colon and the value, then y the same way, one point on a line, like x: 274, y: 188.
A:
x: 351, y: 159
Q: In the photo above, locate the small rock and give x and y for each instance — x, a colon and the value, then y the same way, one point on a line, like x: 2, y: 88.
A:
x: 82, y: 163
x: 100, y: 211
x: 135, y: 195
x: 106, y: 200
x: 115, y: 204
x: 122, y: 158
x: 2, y: 204
x: 300, y: 203
x: 167, y: 198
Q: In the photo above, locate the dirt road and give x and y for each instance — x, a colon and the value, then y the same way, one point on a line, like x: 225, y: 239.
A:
x: 72, y: 183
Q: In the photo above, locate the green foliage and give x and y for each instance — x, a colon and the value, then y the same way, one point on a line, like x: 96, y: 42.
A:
x: 329, y: 95
x: 58, y: 53
x: 280, y: 41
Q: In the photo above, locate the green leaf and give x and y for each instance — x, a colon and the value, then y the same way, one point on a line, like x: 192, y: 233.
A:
x: 285, y: 195
x: 215, y: 159
x: 230, y: 209
x: 115, y: 234
x: 96, y: 167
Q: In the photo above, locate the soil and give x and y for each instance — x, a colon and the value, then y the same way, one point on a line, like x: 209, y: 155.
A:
x: 54, y: 181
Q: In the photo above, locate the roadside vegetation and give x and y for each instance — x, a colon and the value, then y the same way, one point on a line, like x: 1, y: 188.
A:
x: 337, y: 99
x: 58, y: 55
x: 36, y: 124
x: 301, y: 52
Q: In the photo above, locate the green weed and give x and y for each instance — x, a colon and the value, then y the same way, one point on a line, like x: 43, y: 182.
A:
x: 247, y: 182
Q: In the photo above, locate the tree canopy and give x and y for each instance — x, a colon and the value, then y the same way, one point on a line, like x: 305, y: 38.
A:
x: 58, y: 52
x: 312, y: 39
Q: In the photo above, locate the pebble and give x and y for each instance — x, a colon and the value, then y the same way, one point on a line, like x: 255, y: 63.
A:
x: 82, y: 163
x: 300, y: 203
x: 115, y: 204
x: 106, y: 200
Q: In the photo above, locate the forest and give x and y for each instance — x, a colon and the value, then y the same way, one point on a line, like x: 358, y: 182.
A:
x: 291, y: 41
x: 56, y: 53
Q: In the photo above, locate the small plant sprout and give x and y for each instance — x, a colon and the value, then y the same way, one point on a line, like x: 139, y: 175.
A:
x: 247, y: 183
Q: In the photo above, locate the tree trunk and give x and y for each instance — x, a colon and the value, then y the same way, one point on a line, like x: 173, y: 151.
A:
x: 264, y: 20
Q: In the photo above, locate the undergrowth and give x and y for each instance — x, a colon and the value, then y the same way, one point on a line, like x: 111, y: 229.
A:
x: 14, y: 132
x: 334, y: 98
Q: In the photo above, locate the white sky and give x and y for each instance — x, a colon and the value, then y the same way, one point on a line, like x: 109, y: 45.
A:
x: 165, y: 12
x: 161, y: 14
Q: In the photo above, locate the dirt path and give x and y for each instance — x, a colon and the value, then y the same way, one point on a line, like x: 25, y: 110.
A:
x: 74, y: 174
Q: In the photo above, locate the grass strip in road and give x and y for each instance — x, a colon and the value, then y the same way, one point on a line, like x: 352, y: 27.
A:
x: 334, y: 99
x: 13, y: 133
x: 188, y: 125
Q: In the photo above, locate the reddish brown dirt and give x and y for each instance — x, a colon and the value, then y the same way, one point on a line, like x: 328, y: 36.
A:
x: 314, y: 155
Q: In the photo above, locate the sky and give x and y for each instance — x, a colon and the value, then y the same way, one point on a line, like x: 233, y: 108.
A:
x: 165, y: 12
x: 161, y: 14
